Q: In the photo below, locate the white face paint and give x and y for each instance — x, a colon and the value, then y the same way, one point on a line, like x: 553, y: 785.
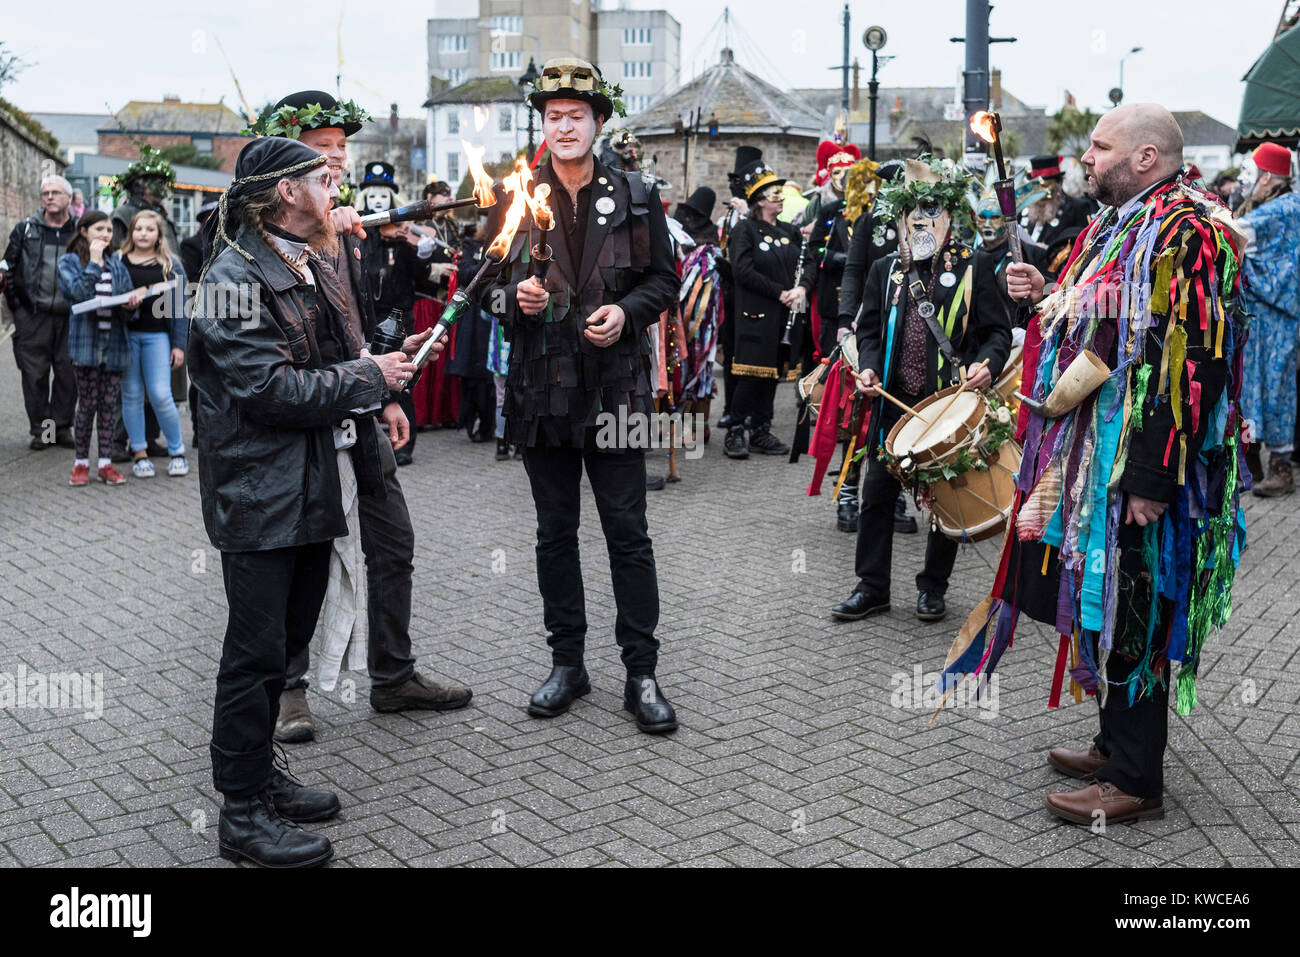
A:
x: 379, y: 201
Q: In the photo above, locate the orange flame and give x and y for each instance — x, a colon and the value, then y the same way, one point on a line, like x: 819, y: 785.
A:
x: 481, y: 116
x: 514, y: 185
x: 535, y: 196
x: 483, y: 194
x: 982, y: 124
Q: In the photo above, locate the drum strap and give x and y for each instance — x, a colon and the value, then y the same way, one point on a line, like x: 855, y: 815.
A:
x: 916, y: 289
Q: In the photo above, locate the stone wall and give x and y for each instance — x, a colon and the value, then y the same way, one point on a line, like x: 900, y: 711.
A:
x: 794, y: 157
x: 23, y: 161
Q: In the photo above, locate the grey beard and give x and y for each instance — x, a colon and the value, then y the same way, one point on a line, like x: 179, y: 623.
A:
x: 1117, y: 187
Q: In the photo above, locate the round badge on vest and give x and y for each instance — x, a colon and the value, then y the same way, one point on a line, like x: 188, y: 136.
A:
x: 604, y: 205
x: 764, y: 247
x: 947, y: 280
x: 926, y: 309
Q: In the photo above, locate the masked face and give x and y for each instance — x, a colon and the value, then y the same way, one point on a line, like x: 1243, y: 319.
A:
x: 379, y: 201
x: 838, y: 175
x: 990, y: 222
x: 926, y: 227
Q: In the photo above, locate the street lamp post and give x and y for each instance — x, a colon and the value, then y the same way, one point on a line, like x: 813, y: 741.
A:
x: 1117, y: 94
x: 873, y: 39
x: 526, y: 82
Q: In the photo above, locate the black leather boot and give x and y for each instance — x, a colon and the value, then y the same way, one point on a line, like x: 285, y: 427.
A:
x: 558, y: 692
x: 762, y: 440
x: 930, y: 606
x: 643, y: 697
x: 846, y: 510
x: 903, y: 521
x: 296, y: 802
x: 252, y: 829
x: 734, y: 444
x: 860, y: 605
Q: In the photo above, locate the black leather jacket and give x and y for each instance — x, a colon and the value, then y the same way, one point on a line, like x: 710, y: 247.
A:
x: 268, y: 473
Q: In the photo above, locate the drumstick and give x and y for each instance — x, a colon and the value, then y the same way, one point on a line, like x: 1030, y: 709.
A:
x: 944, y: 411
x: 902, y: 405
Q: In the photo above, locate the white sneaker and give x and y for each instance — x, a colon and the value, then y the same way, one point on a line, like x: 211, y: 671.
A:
x: 178, y: 466
x: 142, y: 468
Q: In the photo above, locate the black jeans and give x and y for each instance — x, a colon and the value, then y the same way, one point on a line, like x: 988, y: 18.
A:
x: 41, y: 351
x: 618, y: 483
x: 755, y: 400
x: 1133, y: 737
x: 388, y: 542
x: 875, y: 547
x: 274, y: 597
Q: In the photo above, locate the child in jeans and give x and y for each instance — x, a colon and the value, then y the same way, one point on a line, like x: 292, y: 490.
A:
x: 96, y: 341
x: 156, y: 333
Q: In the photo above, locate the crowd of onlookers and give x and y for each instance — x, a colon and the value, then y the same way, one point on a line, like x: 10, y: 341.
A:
x: 105, y: 368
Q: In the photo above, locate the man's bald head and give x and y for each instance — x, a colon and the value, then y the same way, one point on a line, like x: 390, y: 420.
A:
x: 1133, y: 146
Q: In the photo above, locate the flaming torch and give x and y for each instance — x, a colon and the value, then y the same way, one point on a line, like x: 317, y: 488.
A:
x: 493, y: 256
x: 536, y: 197
x: 987, y: 126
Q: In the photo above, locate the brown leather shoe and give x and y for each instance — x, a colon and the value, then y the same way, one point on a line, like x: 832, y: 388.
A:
x: 420, y: 694
x: 1076, y: 762
x: 1080, y: 807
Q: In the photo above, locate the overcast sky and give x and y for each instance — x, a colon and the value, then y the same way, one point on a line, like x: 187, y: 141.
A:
x: 1195, y: 52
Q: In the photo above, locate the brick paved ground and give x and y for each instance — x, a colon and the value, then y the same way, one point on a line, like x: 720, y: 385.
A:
x: 790, y: 750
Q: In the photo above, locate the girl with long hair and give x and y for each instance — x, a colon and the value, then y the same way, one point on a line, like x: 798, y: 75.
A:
x: 96, y: 342
x: 156, y: 333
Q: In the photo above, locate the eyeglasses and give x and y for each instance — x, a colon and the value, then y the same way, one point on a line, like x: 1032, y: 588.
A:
x: 325, y: 179
x: 567, y: 78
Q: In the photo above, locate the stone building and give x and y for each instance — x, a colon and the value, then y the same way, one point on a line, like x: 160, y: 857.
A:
x: 734, y: 108
x: 394, y: 140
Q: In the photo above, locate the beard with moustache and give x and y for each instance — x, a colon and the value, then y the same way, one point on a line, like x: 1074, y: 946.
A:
x: 324, y: 241
x: 1115, y: 186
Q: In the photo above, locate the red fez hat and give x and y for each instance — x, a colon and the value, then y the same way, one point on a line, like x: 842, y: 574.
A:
x: 1273, y: 158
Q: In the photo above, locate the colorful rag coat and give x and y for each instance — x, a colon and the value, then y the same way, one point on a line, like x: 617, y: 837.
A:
x: 700, y: 302
x: 1164, y: 426
x: 1272, y: 298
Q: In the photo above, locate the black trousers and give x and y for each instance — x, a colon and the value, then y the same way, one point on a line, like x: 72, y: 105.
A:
x: 875, y: 547
x: 275, y: 597
x: 49, y: 384
x: 388, y: 542
x: 618, y: 483
x: 755, y: 400
x: 1133, y: 737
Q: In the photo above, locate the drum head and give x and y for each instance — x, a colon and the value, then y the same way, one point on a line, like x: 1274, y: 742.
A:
x: 916, y: 437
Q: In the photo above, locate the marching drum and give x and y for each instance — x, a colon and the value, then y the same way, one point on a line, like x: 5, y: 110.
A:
x: 1008, y: 383
x: 948, y: 426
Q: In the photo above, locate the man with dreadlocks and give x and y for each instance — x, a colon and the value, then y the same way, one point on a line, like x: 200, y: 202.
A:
x: 1126, y: 531
x: 932, y: 305
x: 274, y: 404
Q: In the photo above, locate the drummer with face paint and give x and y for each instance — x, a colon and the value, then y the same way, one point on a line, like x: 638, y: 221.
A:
x: 929, y: 308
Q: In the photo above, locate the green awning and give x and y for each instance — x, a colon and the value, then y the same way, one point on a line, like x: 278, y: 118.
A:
x: 1270, y: 110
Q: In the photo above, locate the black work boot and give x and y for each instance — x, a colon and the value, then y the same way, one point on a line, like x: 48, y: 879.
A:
x: 252, y: 829
x: 296, y: 802
x: 903, y: 521
x: 762, y: 440
x: 846, y: 509
x: 562, y: 686
x: 645, y: 699
x: 734, y: 444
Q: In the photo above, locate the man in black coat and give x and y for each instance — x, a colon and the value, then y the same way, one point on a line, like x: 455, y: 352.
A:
x: 580, y: 383
x: 272, y: 406
x: 899, y: 351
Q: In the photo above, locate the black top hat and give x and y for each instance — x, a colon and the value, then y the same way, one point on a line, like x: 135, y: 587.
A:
x: 1046, y: 167
x: 379, y: 174
x: 701, y: 202
x: 745, y: 156
x: 568, y: 78
x: 327, y: 104
x: 890, y: 170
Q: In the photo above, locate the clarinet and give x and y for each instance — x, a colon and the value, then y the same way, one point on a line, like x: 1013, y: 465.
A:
x: 798, y: 274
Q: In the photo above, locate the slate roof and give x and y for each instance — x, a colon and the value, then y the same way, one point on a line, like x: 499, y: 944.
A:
x: 742, y: 102
x: 173, y: 116
x: 73, y: 129
x: 481, y: 89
